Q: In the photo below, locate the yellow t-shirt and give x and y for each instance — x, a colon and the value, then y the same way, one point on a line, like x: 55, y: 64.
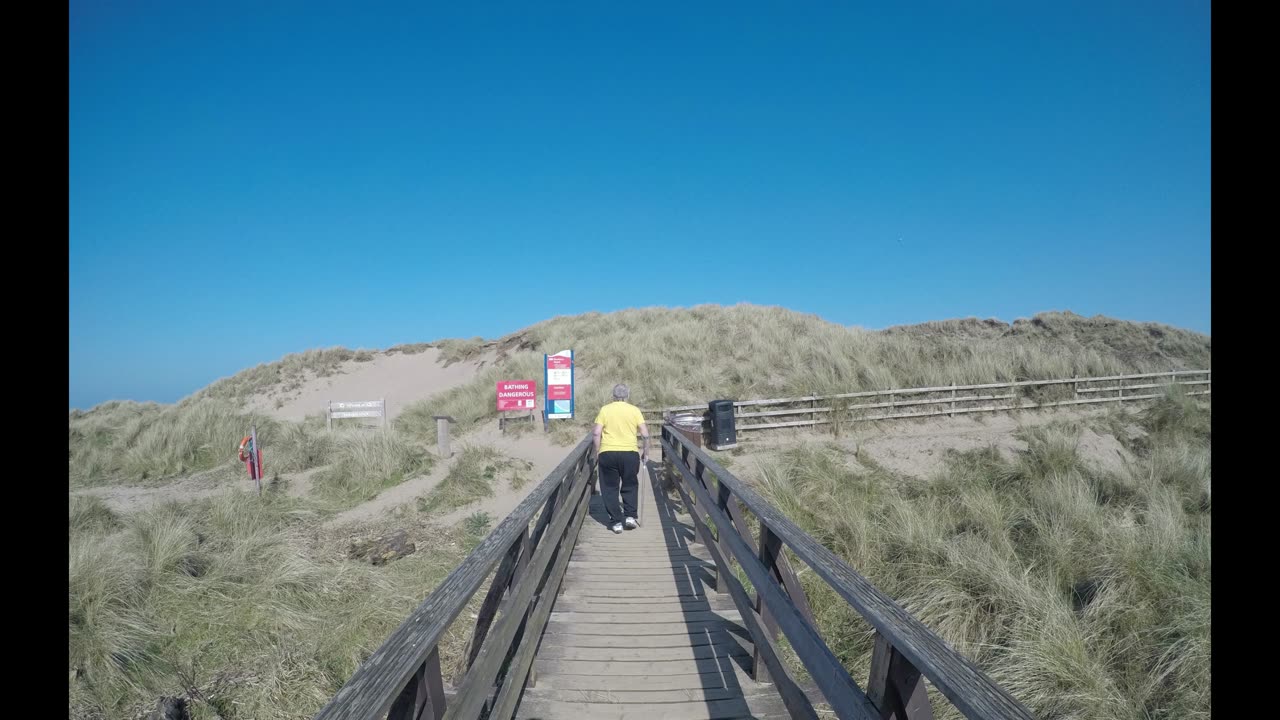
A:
x: 621, y: 423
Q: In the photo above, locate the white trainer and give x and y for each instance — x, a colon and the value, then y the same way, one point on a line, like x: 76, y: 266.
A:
x: 617, y: 527
x: 631, y: 523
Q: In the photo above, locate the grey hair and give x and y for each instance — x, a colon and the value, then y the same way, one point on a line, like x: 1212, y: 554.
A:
x: 621, y: 392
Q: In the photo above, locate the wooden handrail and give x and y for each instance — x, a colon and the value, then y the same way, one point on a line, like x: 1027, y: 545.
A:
x: 907, y: 648
x: 839, y: 688
x: 403, y: 676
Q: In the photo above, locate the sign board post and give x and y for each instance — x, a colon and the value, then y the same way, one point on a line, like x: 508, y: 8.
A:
x: 516, y: 395
x: 559, y: 385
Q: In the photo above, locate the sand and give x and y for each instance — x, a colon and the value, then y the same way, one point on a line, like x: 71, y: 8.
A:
x: 401, y: 379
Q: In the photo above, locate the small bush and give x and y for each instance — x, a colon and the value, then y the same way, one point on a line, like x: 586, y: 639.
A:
x: 475, y: 527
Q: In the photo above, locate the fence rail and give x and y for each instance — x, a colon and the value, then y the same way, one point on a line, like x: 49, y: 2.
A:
x: 530, y: 549
x: 906, y: 651
x: 925, y: 402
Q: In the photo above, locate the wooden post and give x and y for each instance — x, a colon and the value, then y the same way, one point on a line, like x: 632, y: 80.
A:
x: 442, y: 435
x: 254, y: 455
x: 896, y: 687
x: 423, y: 697
x: 770, y: 550
x: 1075, y: 387
x: 384, y: 413
x: 953, y: 399
x: 328, y: 416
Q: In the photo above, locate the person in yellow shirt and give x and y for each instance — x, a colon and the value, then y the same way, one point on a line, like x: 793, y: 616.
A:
x: 614, y: 436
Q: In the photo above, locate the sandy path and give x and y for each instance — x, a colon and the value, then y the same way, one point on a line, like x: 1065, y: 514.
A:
x: 401, y: 379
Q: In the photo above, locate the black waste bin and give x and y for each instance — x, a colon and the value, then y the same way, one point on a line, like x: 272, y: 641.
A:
x: 723, y: 433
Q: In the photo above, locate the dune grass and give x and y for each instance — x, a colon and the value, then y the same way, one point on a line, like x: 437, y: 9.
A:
x: 668, y: 356
x: 692, y: 355
x: 90, y: 514
x: 231, y: 603
x: 472, y: 478
x: 457, y: 350
x: 1084, y: 593
x: 286, y: 374
x: 366, y: 462
x: 147, y: 444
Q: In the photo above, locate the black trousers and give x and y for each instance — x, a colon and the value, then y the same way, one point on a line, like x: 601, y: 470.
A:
x: 619, y: 466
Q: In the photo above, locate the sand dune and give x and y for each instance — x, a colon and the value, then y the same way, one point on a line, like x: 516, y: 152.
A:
x: 400, y: 379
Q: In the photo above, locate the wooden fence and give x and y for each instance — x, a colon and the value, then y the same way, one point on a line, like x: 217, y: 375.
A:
x: 905, y: 652
x: 949, y: 400
x: 403, y: 680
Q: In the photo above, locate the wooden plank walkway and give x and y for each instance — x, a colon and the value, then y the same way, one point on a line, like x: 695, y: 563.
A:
x: 638, y: 630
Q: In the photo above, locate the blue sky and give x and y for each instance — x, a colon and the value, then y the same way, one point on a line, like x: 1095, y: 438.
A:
x: 249, y: 181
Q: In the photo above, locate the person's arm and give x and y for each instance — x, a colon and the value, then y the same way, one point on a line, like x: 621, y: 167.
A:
x: 644, y: 441
x: 595, y: 438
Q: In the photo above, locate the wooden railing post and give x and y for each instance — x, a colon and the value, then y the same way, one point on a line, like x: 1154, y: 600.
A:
x: 423, y: 697
x: 489, y: 608
x: 953, y: 399
x: 699, y: 473
x: 770, y: 550
x: 442, y: 435
x: 896, y: 687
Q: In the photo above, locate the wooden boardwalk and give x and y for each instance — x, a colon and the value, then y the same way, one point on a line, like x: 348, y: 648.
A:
x: 639, y: 631
x: 578, y: 623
